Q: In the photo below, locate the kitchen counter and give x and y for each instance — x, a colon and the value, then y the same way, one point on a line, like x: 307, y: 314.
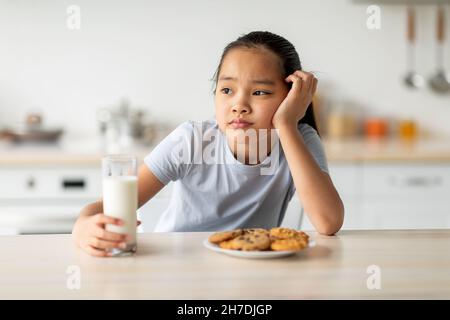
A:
x: 89, y: 153
x: 70, y: 152
x: 412, y: 264
x: 387, y: 150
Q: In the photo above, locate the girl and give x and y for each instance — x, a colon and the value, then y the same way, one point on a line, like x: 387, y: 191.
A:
x: 259, y: 86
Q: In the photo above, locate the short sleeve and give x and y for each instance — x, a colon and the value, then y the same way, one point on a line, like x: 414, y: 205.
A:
x: 171, y: 158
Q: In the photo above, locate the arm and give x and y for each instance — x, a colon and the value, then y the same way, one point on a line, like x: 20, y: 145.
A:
x: 148, y: 185
x: 315, y: 188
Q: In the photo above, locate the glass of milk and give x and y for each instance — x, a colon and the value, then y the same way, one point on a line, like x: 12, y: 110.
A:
x: 120, y: 197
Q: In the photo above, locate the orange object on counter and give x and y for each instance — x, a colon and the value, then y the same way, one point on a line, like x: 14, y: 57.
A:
x: 376, y: 128
x: 407, y: 129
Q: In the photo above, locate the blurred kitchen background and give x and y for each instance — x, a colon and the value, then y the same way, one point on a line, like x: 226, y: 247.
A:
x: 131, y: 71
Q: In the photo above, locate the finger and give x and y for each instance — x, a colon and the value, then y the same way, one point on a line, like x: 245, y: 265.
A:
x: 303, y: 74
x: 103, y: 219
x: 307, y: 78
x: 101, y: 233
x: 296, y: 81
x: 96, y: 252
x: 104, y: 244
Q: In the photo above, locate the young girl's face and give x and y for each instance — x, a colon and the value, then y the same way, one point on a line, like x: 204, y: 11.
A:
x: 250, y: 88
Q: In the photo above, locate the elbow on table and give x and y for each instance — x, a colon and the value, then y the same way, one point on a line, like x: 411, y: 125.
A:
x: 328, y: 231
x: 330, y: 228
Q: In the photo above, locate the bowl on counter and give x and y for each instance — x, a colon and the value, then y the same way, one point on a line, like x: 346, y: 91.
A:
x: 35, y: 135
x: 31, y: 130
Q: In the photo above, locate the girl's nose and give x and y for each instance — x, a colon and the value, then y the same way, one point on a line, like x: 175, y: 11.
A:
x: 238, y: 109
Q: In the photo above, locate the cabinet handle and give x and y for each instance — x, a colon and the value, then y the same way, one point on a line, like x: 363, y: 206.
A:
x: 31, y: 183
x: 416, y: 181
x: 73, y: 184
x: 423, y: 181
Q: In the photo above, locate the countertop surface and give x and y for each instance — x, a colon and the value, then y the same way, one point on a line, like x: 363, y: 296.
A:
x: 353, y: 264
x: 73, y: 152
x: 89, y: 152
x: 387, y: 150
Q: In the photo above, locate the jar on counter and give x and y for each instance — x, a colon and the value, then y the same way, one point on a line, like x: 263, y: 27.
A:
x: 407, y: 129
x: 376, y: 127
x: 341, y: 121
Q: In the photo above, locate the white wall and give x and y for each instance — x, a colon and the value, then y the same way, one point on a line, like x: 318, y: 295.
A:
x: 161, y: 54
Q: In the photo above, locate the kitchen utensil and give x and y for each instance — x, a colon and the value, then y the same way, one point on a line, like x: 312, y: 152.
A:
x: 121, y: 126
x: 440, y: 82
x: 412, y: 79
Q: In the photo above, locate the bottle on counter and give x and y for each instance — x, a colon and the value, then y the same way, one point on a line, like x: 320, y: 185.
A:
x: 407, y: 129
x: 376, y: 127
x: 341, y: 121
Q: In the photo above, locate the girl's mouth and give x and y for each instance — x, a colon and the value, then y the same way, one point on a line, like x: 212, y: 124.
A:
x: 239, y: 124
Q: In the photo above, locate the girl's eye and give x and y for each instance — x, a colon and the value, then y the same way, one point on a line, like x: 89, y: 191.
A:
x: 260, y: 93
x: 256, y: 93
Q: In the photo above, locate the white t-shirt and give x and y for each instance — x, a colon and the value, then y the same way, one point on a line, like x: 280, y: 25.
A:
x: 213, y: 190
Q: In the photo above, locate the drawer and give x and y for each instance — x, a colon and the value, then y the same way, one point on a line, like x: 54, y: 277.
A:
x: 411, y: 182
x: 405, y: 215
x: 23, y: 183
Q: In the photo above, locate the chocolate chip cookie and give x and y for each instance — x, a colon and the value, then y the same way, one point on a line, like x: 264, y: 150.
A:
x: 291, y: 244
x: 286, y: 233
x: 219, y: 237
x: 248, y: 242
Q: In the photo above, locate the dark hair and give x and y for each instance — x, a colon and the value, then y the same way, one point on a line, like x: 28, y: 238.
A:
x: 282, y: 48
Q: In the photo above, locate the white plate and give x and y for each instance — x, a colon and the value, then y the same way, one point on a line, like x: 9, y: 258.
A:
x: 254, y: 254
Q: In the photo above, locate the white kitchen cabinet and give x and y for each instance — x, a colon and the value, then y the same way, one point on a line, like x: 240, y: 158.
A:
x: 28, y: 183
x: 405, y: 215
x: 45, y: 199
x: 48, y: 199
x: 392, y: 195
x: 406, y: 181
x: 406, y: 196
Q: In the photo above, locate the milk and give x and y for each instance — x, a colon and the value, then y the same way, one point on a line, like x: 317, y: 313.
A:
x: 120, y: 201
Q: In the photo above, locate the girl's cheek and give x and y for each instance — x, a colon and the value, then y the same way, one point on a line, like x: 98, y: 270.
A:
x: 272, y: 108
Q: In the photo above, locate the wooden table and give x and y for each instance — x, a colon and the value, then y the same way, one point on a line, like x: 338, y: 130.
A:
x: 410, y: 264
